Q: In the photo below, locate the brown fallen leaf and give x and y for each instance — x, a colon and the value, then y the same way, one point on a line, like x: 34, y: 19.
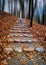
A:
x: 1, y: 57
x: 4, y: 62
x: 29, y: 56
x: 23, y: 61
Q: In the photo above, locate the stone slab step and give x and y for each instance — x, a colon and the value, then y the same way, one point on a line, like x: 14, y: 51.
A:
x: 19, y: 29
x: 20, y: 23
x: 19, y: 26
x: 20, y: 34
x: 20, y: 40
x: 24, y: 40
x: 20, y: 37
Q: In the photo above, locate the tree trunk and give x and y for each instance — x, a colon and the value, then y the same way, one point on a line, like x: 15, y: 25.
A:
x: 3, y: 5
x: 32, y: 14
x: 22, y: 7
x: 43, y: 14
x: 9, y: 5
x: 33, y: 10
x: 29, y: 7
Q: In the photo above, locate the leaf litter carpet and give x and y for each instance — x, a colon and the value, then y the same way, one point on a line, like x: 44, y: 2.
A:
x: 21, y: 48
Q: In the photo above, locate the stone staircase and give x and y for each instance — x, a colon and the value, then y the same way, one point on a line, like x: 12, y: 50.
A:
x: 20, y: 36
x: 20, y: 33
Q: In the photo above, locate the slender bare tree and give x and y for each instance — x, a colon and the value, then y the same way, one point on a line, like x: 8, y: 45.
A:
x: 33, y: 9
x: 43, y: 13
x: 14, y: 7
x: 22, y: 7
x: 3, y: 5
x: 9, y: 5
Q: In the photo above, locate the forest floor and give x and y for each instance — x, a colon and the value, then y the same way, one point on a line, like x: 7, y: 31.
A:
x: 21, y: 44
x: 38, y: 31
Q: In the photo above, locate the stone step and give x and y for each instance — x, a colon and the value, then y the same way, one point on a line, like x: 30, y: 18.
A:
x: 20, y: 37
x: 24, y: 40
x: 19, y: 31
x: 20, y: 24
x: 19, y: 28
x: 20, y: 34
x: 19, y: 40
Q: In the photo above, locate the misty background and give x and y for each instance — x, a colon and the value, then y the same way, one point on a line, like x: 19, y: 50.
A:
x: 20, y: 8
